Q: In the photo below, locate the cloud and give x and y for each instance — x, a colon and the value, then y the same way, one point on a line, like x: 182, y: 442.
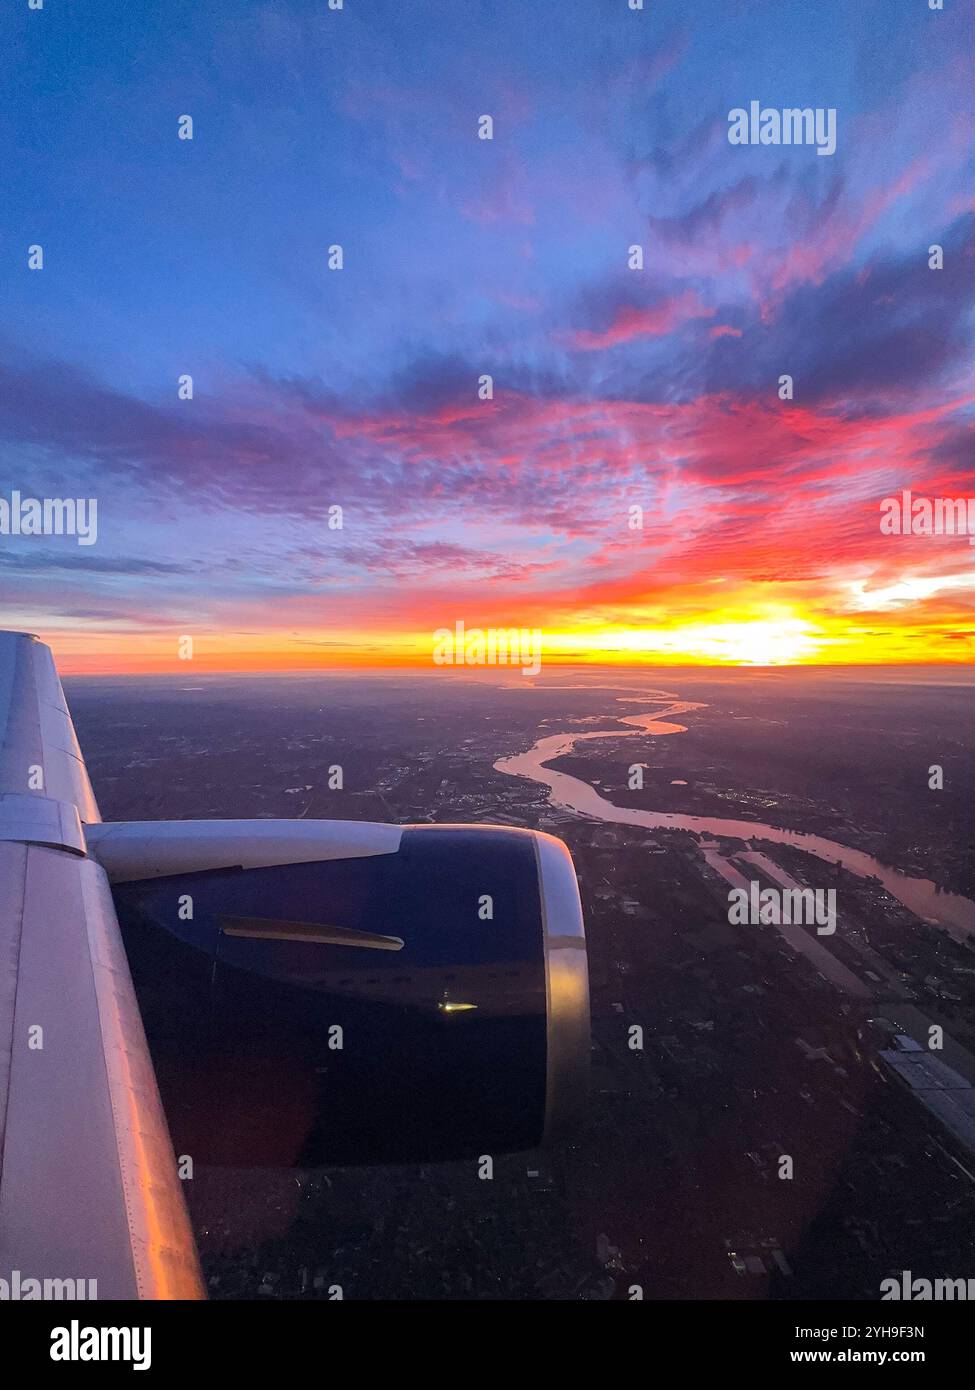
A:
x: 33, y: 561
x: 632, y: 321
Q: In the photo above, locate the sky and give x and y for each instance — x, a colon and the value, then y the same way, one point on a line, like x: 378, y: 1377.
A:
x: 361, y: 387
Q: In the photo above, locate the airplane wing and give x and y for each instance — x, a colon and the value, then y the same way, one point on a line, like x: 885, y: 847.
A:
x: 88, y: 1182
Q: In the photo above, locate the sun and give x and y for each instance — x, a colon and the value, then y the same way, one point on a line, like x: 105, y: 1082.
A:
x: 769, y: 641
x: 780, y: 642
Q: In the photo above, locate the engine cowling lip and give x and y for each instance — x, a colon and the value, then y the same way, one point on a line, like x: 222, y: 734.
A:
x: 568, y: 1033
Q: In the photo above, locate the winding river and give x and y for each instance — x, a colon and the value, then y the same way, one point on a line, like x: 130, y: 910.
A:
x: 923, y: 897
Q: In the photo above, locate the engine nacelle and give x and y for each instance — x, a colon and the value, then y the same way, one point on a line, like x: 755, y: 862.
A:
x: 343, y: 992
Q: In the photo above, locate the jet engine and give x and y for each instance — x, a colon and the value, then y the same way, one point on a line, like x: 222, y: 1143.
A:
x: 346, y: 992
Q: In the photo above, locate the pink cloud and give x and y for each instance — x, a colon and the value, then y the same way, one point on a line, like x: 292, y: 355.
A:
x: 632, y: 321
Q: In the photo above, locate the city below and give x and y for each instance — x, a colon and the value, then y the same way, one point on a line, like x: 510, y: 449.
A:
x: 777, y: 1111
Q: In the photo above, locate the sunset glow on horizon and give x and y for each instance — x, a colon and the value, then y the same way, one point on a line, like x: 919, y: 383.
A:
x: 742, y: 641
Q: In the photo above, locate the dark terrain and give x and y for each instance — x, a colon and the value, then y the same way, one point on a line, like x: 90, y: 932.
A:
x: 749, y: 1054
